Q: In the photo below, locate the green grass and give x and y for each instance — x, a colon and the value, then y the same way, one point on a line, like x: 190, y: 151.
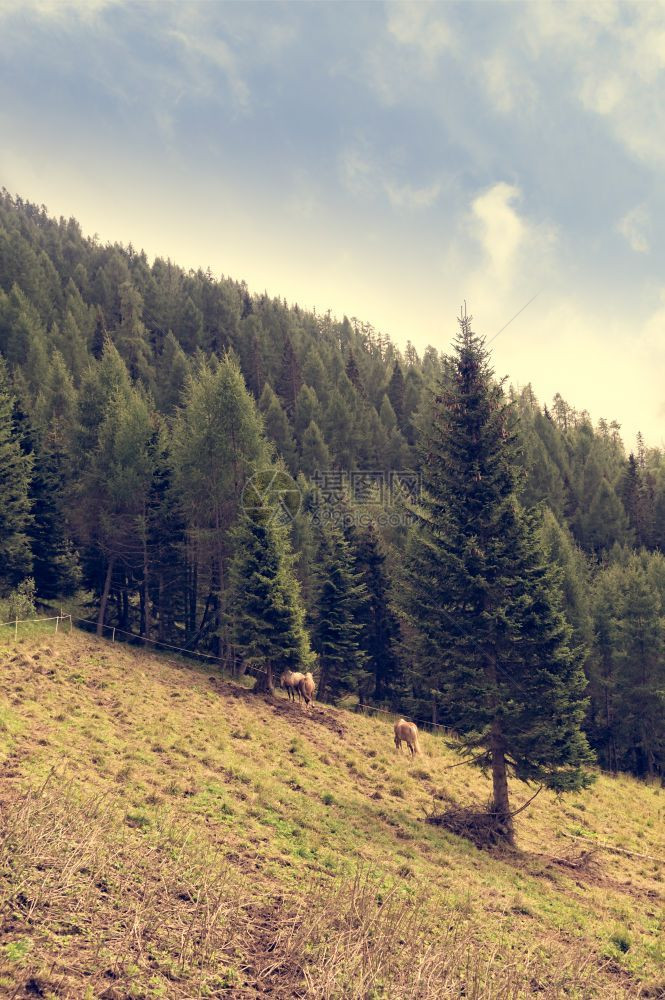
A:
x: 234, y: 837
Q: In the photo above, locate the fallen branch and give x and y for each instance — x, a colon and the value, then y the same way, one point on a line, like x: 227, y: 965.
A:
x: 610, y: 847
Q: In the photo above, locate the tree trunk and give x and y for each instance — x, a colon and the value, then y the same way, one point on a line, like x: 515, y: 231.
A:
x: 147, y: 620
x: 264, y: 682
x: 500, y: 803
x: 105, y: 596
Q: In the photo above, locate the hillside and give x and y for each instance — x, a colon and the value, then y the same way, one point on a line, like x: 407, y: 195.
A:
x: 121, y: 488
x: 167, y: 833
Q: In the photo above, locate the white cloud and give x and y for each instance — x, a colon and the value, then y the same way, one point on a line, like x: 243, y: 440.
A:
x: 420, y: 26
x: 58, y: 10
x: 506, y: 87
x: 587, y: 39
x: 364, y: 176
x: 500, y: 230
x: 215, y: 51
x: 632, y: 227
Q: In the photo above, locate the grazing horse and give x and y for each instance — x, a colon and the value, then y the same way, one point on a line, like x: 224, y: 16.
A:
x: 291, y: 680
x: 306, y: 687
x: 407, y: 732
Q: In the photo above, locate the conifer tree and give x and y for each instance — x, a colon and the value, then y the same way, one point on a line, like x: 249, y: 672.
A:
x: 217, y: 444
x: 56, y: 570
x: 15, y: 473
x: 396, y: 392
x: 265, y: 609
x: 307, y: 409
x: 315, y: 455
x: 277, y: 426
x: 290, y: 376
x: 336, y: 628
x: 354, y: 376
x: 380, y: 633
x: 484, y: 596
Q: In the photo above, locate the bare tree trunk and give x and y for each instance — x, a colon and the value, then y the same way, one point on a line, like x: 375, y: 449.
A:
x: 501, y: 805
x: 264, y: 682
x: 147, y: 620
x: 105, y: 596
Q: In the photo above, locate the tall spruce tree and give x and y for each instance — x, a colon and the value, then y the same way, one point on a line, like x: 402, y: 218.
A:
x: 337, y: 626
x: 380, y: 633
x: 484, y: 596
x: 266, y: 614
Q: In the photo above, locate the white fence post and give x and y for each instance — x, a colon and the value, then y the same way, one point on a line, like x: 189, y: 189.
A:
x: 57, y: 622
x: 16, y: 630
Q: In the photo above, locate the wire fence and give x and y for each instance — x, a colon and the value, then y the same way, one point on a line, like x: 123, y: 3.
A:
x: 111, y: 631
x: 23, y: 621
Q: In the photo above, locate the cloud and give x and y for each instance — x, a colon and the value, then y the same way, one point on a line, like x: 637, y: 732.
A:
x: 615, y: 57
x: 632, y: 227
x: 500, y: 230
x: 218, y: 53
x: 420, y: 26
x: 507, y: 88
x: 58, y: 10
x: 408, y: 196
x: 364, y: 176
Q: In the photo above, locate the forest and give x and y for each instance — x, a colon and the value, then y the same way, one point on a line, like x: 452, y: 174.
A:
x: 207, y: 466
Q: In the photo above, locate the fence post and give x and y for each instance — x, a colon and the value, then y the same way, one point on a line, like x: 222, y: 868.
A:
x: 15, y: 629
x: 113, y: 636
x: 57, y: 622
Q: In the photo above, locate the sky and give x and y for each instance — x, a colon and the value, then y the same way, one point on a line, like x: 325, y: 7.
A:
x: 387, y: 161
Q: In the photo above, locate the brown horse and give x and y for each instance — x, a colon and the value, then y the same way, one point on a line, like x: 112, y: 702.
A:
x: 306, y: 687
x: 407, y: 732
x: 291, y: 680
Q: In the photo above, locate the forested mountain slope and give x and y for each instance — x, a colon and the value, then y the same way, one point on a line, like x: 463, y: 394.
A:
x: 138, y: 400
x: 166, y: 833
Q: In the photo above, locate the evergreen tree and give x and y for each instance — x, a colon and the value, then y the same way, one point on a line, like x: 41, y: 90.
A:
x: 15, y: 473
x: 485, y: 598
x: 217, y: 444
x: 290, y: 377
x: 315, y: 456
x: 265, y: 608
x: 396, y: 392
x: 380, y: 635
x: 166, y: 540
x: 307, y: 409
x: 277, y: 427
x: 354, y: 376
x: 336, y: 630
x: 56, y: 570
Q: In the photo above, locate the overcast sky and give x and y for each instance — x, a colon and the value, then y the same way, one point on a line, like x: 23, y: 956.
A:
x: 382, y: 160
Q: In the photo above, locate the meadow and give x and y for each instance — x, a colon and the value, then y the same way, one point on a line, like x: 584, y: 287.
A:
x: 166, y: 832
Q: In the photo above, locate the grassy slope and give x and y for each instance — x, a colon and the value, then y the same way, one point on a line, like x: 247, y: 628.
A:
x: 166, y: 833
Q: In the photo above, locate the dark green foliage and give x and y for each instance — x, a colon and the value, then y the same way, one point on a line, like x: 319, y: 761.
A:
x: 484, y: 596
x: 396, y: 392
x: 627, y: 716
x: 380, y: 635
x: 104, y: 346
x: 266, y: 615
x: 337, y: 627
x: 56, y: 570
x: 15, y: 516
x: 277, y: 427
x: 290, y: 377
